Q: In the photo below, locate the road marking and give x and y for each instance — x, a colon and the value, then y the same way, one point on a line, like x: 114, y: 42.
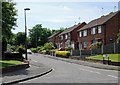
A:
x: 113, y: 76
x: 91, y: 71
x: 98, y: 72
x: 34, y: 61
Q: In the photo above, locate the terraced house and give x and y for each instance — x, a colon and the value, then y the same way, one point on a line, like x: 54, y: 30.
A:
x: 68, y: 38
x: 103, y: 29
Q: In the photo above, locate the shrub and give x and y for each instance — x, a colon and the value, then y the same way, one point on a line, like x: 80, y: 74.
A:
x: 11, y: 48
x: 99, y: 44
x: 34, y: 50
x: 40, y: 49
x: 20, y: 49
x: 62, y: 53
x: 68, y: 48
x: 95, y: 45
x: 43, y: 52
x: 49, y: 46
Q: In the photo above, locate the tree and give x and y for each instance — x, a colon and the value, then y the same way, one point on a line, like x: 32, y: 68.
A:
x: 8, y: 22
x: 59, y: 30
x: 38, y: 35
x: 20, y: 38
x: 8, y: 18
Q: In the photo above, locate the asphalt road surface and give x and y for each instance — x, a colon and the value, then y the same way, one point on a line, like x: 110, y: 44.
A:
x: 65, y: 72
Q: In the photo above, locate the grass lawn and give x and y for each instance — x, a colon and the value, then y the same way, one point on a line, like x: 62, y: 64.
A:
x: 112, y: 57
x: 6, y: 63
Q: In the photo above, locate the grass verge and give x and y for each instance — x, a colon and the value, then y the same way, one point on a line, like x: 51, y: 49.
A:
x: 112, y: 57
x: 6, y: 63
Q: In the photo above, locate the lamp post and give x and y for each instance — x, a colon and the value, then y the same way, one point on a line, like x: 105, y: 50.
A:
x: 26, y: 33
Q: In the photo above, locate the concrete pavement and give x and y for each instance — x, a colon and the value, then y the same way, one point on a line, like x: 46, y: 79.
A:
x: 36, y: 70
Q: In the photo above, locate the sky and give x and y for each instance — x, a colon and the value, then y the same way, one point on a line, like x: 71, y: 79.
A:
x: 57, y: 14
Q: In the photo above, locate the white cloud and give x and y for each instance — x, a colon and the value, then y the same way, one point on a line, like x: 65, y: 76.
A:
x: 66, y: 8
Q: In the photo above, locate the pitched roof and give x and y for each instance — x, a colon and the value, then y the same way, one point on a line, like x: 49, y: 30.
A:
x: 68, y: 30
x: 99, y: 21
x: 54, y: 34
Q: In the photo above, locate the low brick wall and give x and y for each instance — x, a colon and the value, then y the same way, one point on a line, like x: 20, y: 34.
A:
x: 14, y: 68
x: 13, y: 56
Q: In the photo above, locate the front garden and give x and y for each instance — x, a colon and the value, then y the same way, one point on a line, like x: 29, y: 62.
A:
x: 112, y: 57
x: 7, y: 63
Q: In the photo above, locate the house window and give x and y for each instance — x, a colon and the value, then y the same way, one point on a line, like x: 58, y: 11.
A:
x: 99, y: 29
x: 93, y: 31
x: 66, y: 36
x: 61, y: 37
x: 80, y: 33
x: 93, y: 41
x: 85, y: 33
x: 85, y: 44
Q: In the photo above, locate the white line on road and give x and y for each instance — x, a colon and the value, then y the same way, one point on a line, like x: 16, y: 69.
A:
x: 34, y: 61
x: 113, y: 76
x: 91, y: 71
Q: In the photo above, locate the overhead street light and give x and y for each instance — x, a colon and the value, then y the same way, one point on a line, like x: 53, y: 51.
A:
x: 26, y: 33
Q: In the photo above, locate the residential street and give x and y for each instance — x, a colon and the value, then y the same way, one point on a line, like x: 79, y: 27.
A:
x: 65, y: 72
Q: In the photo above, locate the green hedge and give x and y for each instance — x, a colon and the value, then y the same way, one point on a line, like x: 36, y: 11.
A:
x: 62, y: 53
x: 34, y: 50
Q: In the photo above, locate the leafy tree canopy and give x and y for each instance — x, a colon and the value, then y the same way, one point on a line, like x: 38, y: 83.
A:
x: 8, y: 22
x: 38, y: 35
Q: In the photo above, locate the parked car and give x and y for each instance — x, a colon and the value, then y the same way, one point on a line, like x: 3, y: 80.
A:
x: 29, y: 51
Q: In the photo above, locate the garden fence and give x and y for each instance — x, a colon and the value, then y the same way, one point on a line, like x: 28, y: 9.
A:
x: 113, y: 48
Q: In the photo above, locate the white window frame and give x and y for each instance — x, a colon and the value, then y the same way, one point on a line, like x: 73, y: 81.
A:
x: 66, y: 36
x: 80, y: 33
x: 85, y: 33
x: 85, y: 44
x: 93, y: 31
x: 61, y: 37
x: 99, y: 29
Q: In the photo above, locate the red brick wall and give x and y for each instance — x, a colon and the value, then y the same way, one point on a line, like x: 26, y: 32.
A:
x: 109, y: 29
x: 112, y: 28
x: 90, y: 37
x: 74, y: 34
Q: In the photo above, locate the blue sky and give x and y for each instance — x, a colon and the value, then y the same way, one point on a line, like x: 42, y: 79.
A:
x: 54, y: 15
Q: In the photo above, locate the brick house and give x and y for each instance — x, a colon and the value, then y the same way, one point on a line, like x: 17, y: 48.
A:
x: 54, y: 39
x: 68, y: 38
x: 103, y: 29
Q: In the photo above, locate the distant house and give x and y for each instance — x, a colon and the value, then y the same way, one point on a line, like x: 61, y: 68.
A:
x: 68, y: 38
x: 103, y: 29
x: 54, y: 39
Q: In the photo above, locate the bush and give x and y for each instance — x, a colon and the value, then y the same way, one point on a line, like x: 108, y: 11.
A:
x: 40, y: 49
x: 49, y: 46
x: 96, y: 45
x: 43, y: 52
x: 34, y: 50
x: 20, y: 49
x: 62, y: 53
x: 68, y: 48
x: 11, y: 48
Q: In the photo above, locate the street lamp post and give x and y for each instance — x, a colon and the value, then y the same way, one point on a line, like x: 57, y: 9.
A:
x: 26, y: 33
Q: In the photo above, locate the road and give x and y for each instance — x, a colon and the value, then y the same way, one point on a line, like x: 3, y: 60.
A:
x: 65, y: 72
